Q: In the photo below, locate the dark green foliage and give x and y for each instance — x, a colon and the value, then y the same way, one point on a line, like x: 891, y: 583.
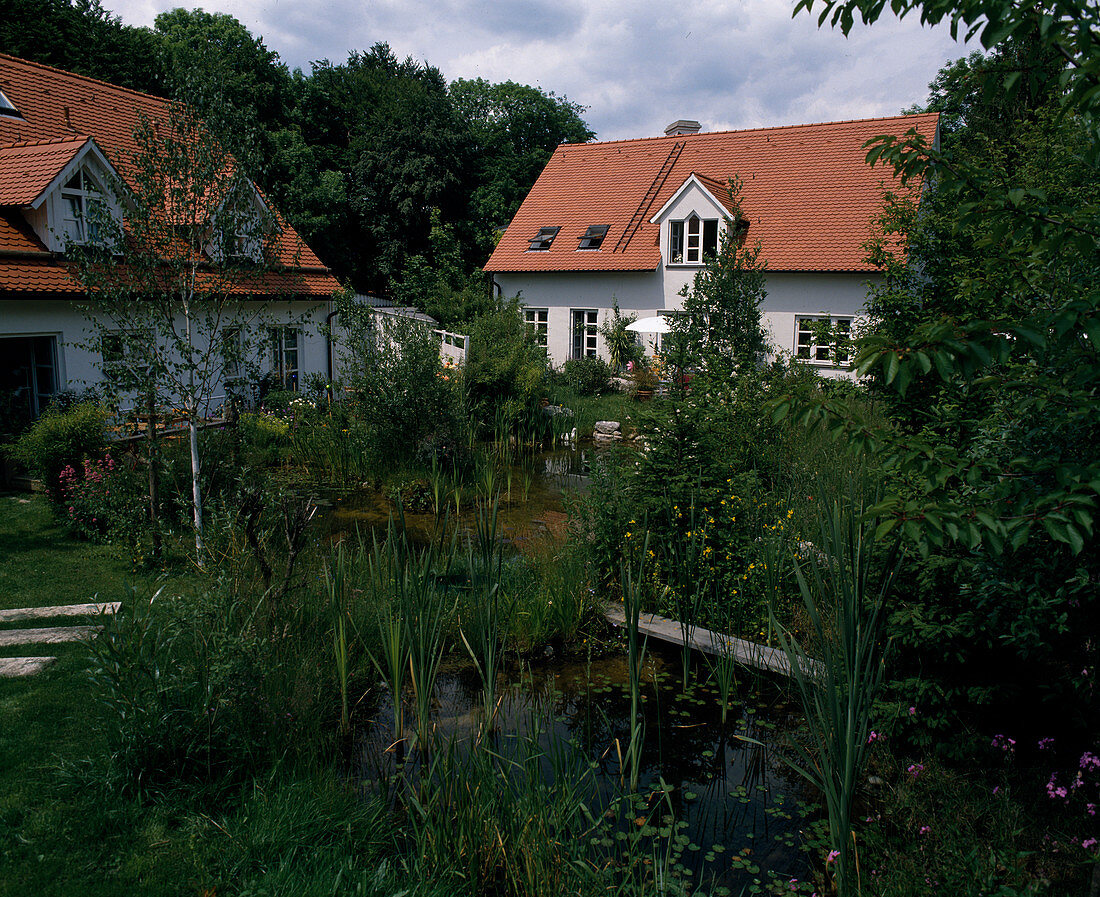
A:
x: 513, y: 130
x: 60, y: 438
x: 81, y: 36
x: 241, y: 89
x: 438, y: 283
x: 588, y: 376
x: 984, y: 355
x: 409, y: 407
x: 504, y: 367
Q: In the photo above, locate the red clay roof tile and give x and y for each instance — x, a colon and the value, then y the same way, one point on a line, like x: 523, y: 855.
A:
x: 808, y: 195
x: 26, y: 169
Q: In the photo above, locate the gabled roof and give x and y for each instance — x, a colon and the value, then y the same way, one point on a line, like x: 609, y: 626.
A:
x: 28, y: 169
x: 718, y: 192
x: 60, y: 113
x: 808, y: 195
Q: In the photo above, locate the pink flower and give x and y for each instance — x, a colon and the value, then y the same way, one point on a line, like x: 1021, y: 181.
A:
x: 833, y: 854
x: 912, y: 711
x: 915, y: 769
x: 1045, y: 744
x: 872, y: 737
x: 1089, y: 843
x: 1089, y: 760
x: 924, y: 830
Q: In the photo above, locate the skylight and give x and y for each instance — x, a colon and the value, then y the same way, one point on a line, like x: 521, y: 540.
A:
x: 541, y: 241
x: 7, y: 107
x: 593, y: 237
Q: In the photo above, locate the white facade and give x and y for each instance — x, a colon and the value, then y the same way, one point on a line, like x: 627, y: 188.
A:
x: 790, y: 296
x: 76, y: 360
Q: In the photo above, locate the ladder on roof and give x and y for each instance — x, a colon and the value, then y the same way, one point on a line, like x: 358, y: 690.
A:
x: 651, y: 194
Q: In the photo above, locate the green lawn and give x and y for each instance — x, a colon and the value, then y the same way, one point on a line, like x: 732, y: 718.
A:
x: 41, y: 565
x: 59, y: 834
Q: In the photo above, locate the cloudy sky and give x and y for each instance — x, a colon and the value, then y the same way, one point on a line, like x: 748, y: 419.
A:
x: 636, y: 65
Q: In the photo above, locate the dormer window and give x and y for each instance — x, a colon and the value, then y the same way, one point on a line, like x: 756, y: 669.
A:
x: 594, y: 236
x: 542, y: 240
x: 7, y: 108
x: 692, y: 240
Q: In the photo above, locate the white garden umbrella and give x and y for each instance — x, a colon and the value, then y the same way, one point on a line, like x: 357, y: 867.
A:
x: 655, y: 324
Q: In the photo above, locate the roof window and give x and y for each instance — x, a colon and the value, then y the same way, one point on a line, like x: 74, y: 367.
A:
x: 593, y: 237
x: 7, y: 107
x: 541, y: 241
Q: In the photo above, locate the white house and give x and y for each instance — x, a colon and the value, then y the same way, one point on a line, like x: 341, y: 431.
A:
x: 631, y: 221
x: 63, y: 138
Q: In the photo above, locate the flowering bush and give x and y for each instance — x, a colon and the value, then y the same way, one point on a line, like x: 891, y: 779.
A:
x: 101, y: 502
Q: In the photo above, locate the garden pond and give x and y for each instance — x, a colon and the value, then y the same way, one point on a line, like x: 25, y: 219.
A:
x: 716, y: 801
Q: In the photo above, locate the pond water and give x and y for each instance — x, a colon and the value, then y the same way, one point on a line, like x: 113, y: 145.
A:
x: 530, y: 511
x: 738, y: 803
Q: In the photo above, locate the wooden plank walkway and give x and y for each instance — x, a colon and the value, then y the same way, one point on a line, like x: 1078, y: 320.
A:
x: 750, y: 654
x: 60, y: 610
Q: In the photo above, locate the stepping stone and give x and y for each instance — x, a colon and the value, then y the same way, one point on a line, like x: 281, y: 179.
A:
x: 11, y: 667
x: 62, y: 610
x: 50, y: 636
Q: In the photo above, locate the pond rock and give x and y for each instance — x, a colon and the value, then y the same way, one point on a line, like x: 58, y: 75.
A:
x: 607, y: 430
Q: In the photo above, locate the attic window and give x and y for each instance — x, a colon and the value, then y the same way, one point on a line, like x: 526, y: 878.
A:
x: 544, y: 238
x: 593, y: 237
x: 7, y: 108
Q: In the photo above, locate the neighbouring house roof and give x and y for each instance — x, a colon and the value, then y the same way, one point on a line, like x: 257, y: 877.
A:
x: 808, y: 194
x: 61, y: 112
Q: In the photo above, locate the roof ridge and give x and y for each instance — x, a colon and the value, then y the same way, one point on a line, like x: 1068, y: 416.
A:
x: 75, y: 75
x: 702, y: 135
x: 47, y: 141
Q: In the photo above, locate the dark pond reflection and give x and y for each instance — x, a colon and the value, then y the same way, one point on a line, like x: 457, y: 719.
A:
x: 738, y: 801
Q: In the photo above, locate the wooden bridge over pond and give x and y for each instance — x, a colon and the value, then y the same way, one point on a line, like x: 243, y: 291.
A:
x: 750, y: 654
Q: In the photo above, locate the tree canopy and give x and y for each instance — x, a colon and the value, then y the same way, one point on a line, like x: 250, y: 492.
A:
x: 364, y: 157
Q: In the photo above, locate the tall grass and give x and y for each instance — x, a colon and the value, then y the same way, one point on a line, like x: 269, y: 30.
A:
x: 843, y: 585
x: 633, y: 586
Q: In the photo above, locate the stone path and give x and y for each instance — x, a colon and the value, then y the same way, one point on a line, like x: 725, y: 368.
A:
x: 751, y: 654
x: 50, y: 635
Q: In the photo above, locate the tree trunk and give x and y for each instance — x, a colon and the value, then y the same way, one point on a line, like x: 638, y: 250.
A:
x: 196, y: 491
x: 154, y: 485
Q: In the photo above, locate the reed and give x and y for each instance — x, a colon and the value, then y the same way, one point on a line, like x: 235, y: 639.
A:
x: 844, y: 606
x: 485, y: 628
x: 633, y: 586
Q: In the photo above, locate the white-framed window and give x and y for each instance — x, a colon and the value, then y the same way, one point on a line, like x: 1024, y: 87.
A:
x: 538, y: 320
x: 29, y: 376
x: 692, y: 240
x: 823, y: 339
x: 76, y: 194
x: 584, y: 332
x: 284, y: 356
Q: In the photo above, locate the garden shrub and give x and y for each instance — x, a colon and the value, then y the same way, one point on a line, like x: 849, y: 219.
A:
x: 402, y: 393
x: 62, y: 438
x: 504, y: 364
x: 104, y: 501
x: 587, y: 376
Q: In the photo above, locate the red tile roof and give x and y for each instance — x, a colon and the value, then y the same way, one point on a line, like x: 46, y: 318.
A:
x: 60, y: 112
x: 26, y: 169
x: 808, y: 195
